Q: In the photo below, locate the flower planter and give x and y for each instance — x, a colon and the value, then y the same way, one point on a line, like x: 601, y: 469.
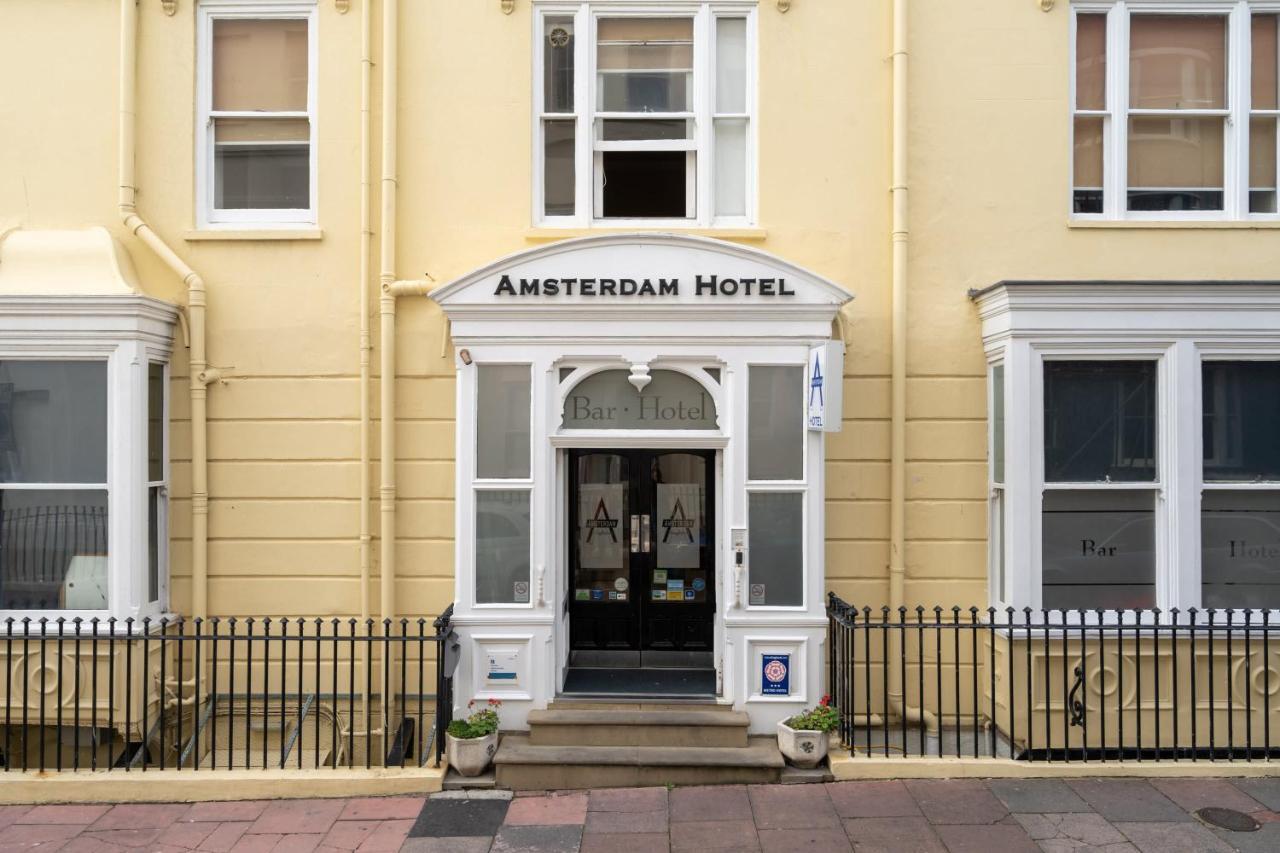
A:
x: 802, y: 747
x: 470, y: 756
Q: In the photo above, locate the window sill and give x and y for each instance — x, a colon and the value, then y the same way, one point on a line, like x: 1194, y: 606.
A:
x: 544, y: 235
x: 212, y: 234
x: 1173, y: 224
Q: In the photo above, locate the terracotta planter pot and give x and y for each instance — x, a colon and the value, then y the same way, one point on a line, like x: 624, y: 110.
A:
x: 802, y: 747
x: 470, y: 756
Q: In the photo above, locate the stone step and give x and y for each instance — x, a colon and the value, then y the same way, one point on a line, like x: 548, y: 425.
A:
x: 691, y: 726
x: 524, y: 766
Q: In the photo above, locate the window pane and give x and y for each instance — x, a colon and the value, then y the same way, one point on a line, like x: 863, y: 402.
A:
x: 1241, y: 412
x: 260, y: 65
x: 1099, y: 549
x: 607, y: 400
x: 731, y: 65
x: 775, y: 423
x: 731, y: 167
x: 1177, y: 62
x: 614, y: 130
x: 502, y: 547
x: 154, y: 542
x: 155, y: 421
x: 644, y: 64
x: 1240, y: 549
x: 1175, y: 163
x: 996, y: 546
x: 1091, y: 62
x: 1262, y: 165
x: 502, y: 421
x: 1099, y: 421
x: 997, y: 423
x: 53, y: 550
x: 53, y: 422
x: 1087, y: 183
x: 775, y: 542
x: 262, y: 164
x: 559, y: 178
x: 647, y: 184
x: 558, y: 65
x: 1265, y: 62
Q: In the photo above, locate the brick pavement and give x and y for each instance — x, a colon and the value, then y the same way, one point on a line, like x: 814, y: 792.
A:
x: 918, y: 816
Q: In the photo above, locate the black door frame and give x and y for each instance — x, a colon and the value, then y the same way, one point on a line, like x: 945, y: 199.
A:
x: 689, y: 640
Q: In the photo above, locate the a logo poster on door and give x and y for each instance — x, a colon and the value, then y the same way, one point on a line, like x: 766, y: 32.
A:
x: 679, y: 526
x: 601, y: 543
x: 775, y: 675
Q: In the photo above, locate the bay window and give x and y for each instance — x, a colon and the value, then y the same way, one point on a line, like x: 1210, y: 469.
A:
x: 644, y: 113
x: 1135, y: 459
x: 1161, y: 127
x: 256, y: 129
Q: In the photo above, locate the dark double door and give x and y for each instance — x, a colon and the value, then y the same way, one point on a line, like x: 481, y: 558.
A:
x: 641, y: 558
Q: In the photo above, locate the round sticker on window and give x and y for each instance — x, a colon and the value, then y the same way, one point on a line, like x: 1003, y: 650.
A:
x: 699, y: 584
x: 620, y: 584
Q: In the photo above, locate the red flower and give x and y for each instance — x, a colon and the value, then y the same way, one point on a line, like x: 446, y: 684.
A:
x: 826, y: 700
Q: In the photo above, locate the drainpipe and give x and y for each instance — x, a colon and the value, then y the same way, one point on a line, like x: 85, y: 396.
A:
x: 200, y: 372
x: 387, y: 489
x: 898, y: 373
x: 366, y: 345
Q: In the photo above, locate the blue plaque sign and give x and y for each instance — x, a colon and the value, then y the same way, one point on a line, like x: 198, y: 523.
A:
x: 775, y: 675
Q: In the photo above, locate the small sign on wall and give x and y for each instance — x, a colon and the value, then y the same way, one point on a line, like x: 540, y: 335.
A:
x: 824, y: 387
x: 775, y: 675
x: 504, y: 666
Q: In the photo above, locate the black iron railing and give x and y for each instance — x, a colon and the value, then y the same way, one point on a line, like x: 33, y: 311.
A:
x: 224, y: 693
x: 1055, y: 685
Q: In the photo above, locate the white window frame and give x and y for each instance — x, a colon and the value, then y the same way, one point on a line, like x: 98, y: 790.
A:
x: 585, y: 14
x: 1180, y: 327
x: 126, y: 486
x: 207, y: 216
x: 1116, y: 113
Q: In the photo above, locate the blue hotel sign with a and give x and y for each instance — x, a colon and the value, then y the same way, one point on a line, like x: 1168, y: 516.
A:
x: 824, y: 387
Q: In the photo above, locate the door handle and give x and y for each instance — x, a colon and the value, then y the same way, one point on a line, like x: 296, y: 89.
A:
x: 644, y: 534
x: 635, y: 534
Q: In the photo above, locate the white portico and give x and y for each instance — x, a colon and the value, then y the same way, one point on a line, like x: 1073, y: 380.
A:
x: 640, y: 474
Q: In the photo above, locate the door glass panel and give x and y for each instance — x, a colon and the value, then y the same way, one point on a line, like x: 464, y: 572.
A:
x: 680, y: 529
x: 602, y: 535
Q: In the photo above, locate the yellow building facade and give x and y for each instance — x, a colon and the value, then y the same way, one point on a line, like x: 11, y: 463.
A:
x: 342, y: 219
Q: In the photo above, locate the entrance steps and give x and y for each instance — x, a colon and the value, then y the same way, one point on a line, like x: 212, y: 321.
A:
x: 588, y: 745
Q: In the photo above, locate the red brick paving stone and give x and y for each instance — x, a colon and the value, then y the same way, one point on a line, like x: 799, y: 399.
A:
x: 872, y: 799
x: 893, y: 835
x: 44, y: 832
x: 63, y: 814
x: 808, y: 840
x: 1194, y: 794
x: 722, y: 802
x: 141, y: 816
x: 1128, y: 800
x: 792, y: 806
x: 638, y: 842
x: 225, y: 836
x: 349, y: 834
x: 383, y: 808
x: 297, y: 842
x: 627, y: 800
x: 959, y: 838
x: 260, y: 843
x: 81, y: 844
x: 186, y: 835
x: 956, y: 801
x: 10, y: 814
x: 143, y: 837
x: 388, y: 837
x: 247, y: 810
x: 550, y: 810
x: 625, y: 822
x: 735, y: 835
x: 306, y: 816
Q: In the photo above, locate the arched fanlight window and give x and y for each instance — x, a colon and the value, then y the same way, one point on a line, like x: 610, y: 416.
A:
x: 670, y: 400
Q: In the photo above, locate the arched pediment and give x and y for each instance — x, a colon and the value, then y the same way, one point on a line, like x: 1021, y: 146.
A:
x: 644, y: 272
